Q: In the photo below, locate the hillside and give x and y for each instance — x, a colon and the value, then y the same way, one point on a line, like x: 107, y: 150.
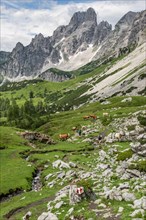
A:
x: 114, y: 167
x: 73, y: 122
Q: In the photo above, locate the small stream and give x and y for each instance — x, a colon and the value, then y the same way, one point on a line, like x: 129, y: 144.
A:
x: 36, y: 183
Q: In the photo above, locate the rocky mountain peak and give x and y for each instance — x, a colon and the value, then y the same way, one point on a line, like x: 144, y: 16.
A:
x: 127, y: 19
x: 37, y: 39
x: 80, y: 17
x: 91, y: 15
x: 19, y: 47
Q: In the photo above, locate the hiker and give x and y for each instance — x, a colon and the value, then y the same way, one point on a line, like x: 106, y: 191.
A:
x: 99, y: 138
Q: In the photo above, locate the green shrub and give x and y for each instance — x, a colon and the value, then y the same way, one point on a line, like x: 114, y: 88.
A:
x: 124, y: 155
x: 140, y: 165
x: 87, y: 184
x: 142, y: 120
x: 106, y: 120
x: 131, y: 127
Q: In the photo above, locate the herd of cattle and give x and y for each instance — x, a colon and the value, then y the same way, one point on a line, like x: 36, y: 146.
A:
x: 86, y: 117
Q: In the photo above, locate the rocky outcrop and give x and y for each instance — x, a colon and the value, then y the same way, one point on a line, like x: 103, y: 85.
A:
x: 73, y: 46
x: 46, y: 52
x: 128, y: 33
x: 32, y: 136
x: 4, y: 56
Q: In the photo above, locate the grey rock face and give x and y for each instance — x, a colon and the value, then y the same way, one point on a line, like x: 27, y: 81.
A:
x: 47, y: 216
x: 4, y: 56
x: 29, y: 61
x: 80, y: 34
x: 128, y: 32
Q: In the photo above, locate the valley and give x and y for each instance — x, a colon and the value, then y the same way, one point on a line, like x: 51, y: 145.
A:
x: 73, y: 122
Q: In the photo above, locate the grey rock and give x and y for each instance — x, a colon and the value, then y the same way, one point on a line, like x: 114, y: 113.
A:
x: 138, y: 148
x: 70, y: 211
x: 73, y: 165
x: 48, y: 176
x: 140, y: 203
x: 128, y: 197
x: 120, y: 209
x: 61, y: 175
x: 51, y: 184
x: 73, y: 196
x: 129, y: 99
x: 137, y: 211
x: 60, y: 164
x: 27, y: 216
x: 133, y: 173
x: 58, y: 205
x: 47, y: 216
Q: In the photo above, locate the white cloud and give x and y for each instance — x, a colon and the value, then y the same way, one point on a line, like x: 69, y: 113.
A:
x: 21, y: 24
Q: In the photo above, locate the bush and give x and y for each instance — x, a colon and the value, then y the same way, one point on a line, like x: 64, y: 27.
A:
x: 142, y: 120
x: 131, y: 127
x: 106, y: 120
x: 140, y: 165
x: 125, y: 155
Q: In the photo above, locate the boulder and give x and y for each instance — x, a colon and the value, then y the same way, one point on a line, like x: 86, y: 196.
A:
x: 73, y: 196
x: 70, y: 211
x: 128, y: 197
x: 47, y: 216
x: 133, y: 173
x: 137, y: 211
x: 102, y: 155
x: 58, y: 205
x: 73, y: 165
x: 60, y: 164
x: 129, y: 99
x: 27, y: 216
x: 37, y: 136
x: 140, y: 203
x: 61, y: 175
x: 120, y: 209
x: 48, y: 176
x: 138, y: 148
x: 51, y: 184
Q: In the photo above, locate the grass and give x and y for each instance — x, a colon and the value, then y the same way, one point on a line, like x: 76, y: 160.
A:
x: 15, y: 174
x: 75, y: 151
x: 139, y: 165
x: 124, y: 155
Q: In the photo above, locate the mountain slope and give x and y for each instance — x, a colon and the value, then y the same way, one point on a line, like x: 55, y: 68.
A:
x: 74, y: 45
x: 44, y: 53
x: 127, y: 76
x: 129, y: 32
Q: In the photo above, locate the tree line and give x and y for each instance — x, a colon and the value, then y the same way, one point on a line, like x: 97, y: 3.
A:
x: 26, y: 116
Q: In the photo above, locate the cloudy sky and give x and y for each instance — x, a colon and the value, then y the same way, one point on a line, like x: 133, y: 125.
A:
x: 21, y: 20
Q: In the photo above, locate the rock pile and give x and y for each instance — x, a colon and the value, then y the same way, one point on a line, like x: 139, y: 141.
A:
x: 32, y: 136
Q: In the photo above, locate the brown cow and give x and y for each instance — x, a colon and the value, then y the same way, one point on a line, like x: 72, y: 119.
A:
x: 93, y: 116
x: 64, y: 137
x: 86, y: 117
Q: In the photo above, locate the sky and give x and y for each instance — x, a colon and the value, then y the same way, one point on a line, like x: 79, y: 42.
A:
x: 21, y: 20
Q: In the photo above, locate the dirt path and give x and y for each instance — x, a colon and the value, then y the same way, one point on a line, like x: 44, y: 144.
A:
x: 10, y: 214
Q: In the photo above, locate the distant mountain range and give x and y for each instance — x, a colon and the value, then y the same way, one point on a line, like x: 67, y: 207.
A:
x: 73, y: 46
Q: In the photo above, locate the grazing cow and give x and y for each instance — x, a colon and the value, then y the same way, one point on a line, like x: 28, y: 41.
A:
x: 105, y: 114
x: 86, y: 117
x: 64, y: 137
x: 93, y: 116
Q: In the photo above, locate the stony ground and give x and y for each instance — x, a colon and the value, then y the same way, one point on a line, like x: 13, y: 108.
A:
x: 113, y: 175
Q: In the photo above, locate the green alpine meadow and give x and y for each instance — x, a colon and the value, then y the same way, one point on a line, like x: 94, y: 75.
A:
x: 73, y: 111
